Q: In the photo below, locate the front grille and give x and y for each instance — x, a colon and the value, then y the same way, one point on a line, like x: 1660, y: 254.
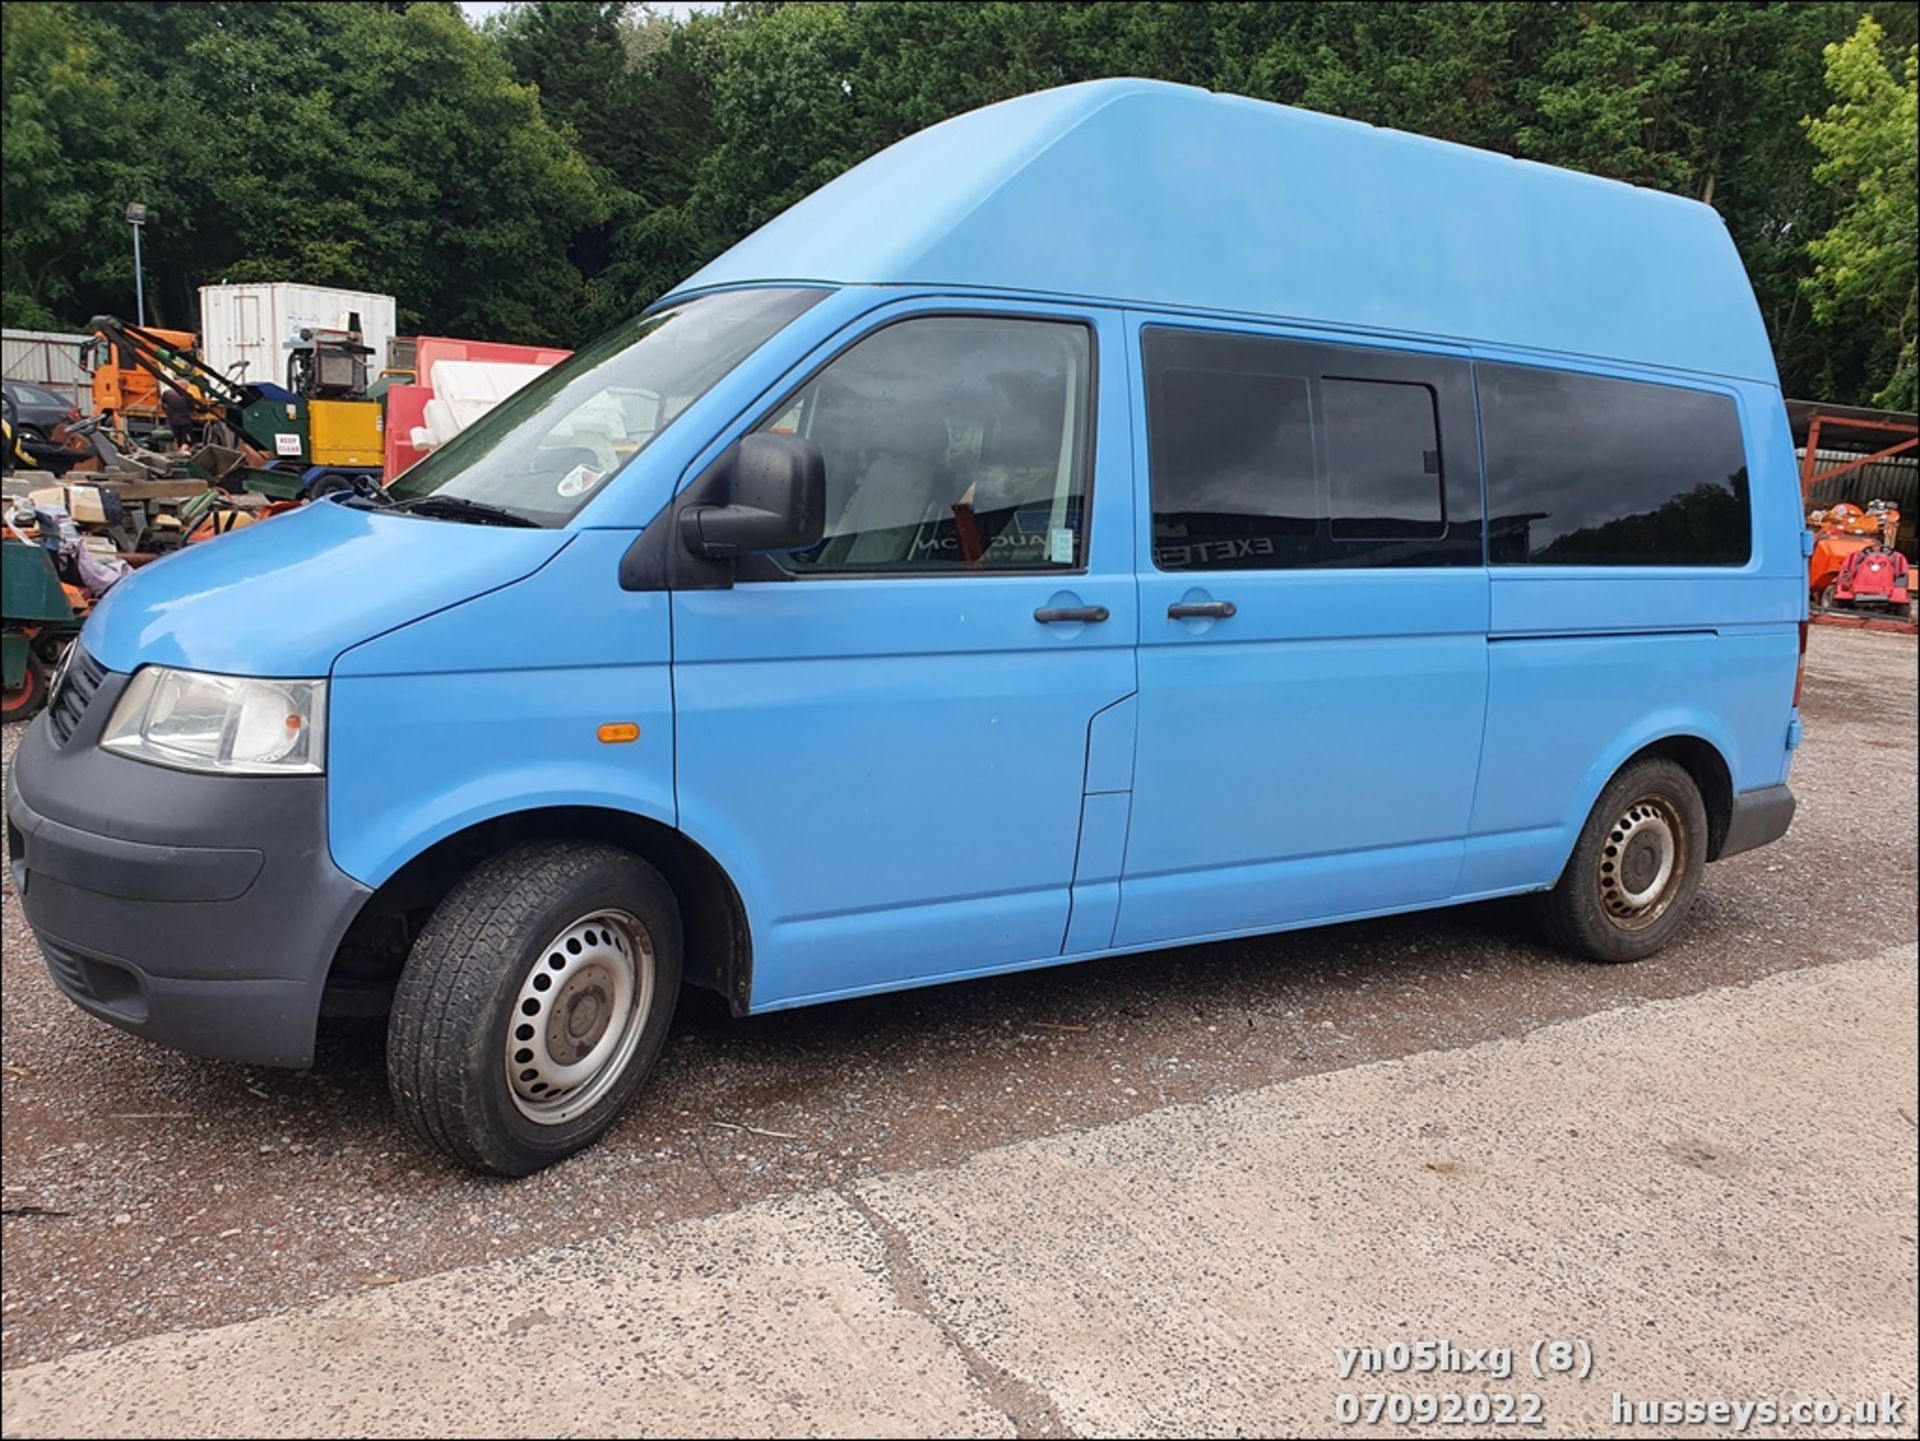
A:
x: 77, y: 687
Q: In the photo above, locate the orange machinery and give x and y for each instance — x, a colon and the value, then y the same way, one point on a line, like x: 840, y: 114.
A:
x: 1838, y: 532
x: 123, y: 389
x: 1843, y: 528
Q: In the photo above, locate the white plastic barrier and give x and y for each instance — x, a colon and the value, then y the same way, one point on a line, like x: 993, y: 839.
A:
x: 465, y: 390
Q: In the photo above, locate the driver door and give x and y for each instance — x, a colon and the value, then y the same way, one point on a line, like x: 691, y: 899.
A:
x: 884, y: 742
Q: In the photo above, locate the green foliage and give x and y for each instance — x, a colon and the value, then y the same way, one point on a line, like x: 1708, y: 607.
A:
x: 1864, y: 265
x: 72, y: 153
x: 553, y: 172
x: 376, y: 147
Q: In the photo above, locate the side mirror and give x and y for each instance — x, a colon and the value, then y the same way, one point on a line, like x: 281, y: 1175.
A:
x: 775, y: 489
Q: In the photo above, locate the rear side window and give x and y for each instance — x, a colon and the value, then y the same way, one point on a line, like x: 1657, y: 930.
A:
x: 1272, y: 454
x: 1587, y: 470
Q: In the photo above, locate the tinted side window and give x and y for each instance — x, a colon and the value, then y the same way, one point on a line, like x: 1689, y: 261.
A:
x: 1383, y: 459
x: 1587, y: 470
x: 1233, y: 479
x: 951, y: 442
x: 1270, y: 454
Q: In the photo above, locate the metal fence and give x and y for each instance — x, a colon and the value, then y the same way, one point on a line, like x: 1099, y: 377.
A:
x: 48, y: 358
x: 1897, y: 480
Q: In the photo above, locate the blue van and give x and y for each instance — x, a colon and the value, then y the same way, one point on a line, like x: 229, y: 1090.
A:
x: 1119, y: 517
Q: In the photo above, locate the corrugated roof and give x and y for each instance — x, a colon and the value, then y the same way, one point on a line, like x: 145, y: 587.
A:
x: 1842, y: 427
x: 1142, y: 192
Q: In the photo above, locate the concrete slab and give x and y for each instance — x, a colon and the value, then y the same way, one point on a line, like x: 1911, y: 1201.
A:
x: 1715, y: 1195
x: 771, y: 1321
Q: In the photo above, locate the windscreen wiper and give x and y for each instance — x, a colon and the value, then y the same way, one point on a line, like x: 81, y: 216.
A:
x: 458, y: 507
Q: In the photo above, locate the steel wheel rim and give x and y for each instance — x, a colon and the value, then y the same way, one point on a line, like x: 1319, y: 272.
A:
x: 578, y: 1016
x: 1642, y: 862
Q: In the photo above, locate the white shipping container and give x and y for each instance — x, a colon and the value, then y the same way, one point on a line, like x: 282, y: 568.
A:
x: 50, y: 359
x: 253, y: 322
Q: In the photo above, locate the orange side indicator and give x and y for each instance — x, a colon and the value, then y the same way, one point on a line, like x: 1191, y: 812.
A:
x: 619, y: 733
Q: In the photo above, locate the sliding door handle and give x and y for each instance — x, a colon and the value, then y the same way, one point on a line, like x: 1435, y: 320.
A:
x: 1049, y: 614
x: 1201, y: 610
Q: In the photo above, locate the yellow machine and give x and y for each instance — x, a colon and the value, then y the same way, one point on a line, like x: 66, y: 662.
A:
x: 345, y: 432
x: 329, y: 369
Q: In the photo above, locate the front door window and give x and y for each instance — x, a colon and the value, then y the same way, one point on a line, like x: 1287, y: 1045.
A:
x: 952, y: 443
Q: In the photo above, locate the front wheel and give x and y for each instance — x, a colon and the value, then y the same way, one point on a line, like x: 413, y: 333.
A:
x: 534, y: 1004
x: 1635, y: 868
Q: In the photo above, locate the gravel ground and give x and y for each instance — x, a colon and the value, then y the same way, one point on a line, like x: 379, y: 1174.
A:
x: 146, y: 1191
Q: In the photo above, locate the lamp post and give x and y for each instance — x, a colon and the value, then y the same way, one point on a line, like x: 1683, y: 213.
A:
x: 137, y: 217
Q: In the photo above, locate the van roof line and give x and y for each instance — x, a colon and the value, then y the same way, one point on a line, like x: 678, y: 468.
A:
x: 1155, y: 194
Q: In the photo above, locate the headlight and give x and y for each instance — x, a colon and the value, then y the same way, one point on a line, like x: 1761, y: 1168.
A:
x: 227, y: 724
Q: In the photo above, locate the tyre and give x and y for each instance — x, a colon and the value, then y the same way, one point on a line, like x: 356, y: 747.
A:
x: 330, y: 483
x: 534, y: 1003
x: 1634, y: 870
x: 29, y: 698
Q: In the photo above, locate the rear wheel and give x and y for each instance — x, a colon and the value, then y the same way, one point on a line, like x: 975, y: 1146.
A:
x: 534, y: 1004
x: 1635, y: 868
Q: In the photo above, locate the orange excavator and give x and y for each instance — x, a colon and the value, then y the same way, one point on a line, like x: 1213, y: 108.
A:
x: 124, y: 389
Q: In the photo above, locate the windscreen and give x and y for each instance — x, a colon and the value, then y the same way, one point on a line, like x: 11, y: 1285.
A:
x: 553, y: 445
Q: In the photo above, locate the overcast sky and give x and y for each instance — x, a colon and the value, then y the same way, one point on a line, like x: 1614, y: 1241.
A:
x: 480, y: 9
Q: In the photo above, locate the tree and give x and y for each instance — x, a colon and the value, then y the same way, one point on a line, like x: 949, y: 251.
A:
x: 375, y: 147
x: 73, y: 152
x: 626, y: 83
x: 557, y: 170
x: 575, y: 56
x: 1864, y: 265
x: 388, y: 148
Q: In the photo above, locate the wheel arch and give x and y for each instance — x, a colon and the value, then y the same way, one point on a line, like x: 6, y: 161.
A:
x: 718, y: 939
x: 1703, y: 758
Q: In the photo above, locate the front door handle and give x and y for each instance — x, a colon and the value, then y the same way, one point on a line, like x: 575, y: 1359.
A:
x: 1049, y: 614
x: 1201, y: 610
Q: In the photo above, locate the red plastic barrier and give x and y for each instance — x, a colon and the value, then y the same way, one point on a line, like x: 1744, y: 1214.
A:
x: 407, y: 404
x: 406, y: 408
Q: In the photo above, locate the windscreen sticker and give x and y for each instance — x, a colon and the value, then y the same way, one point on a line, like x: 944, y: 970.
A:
x: 1060, y: 550
x: 578, y: 481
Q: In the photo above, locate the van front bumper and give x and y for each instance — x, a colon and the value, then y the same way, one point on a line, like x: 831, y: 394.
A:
x: 202, y: 912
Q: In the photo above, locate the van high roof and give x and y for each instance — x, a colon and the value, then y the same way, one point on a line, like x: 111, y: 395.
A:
x: 1152, y: 194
